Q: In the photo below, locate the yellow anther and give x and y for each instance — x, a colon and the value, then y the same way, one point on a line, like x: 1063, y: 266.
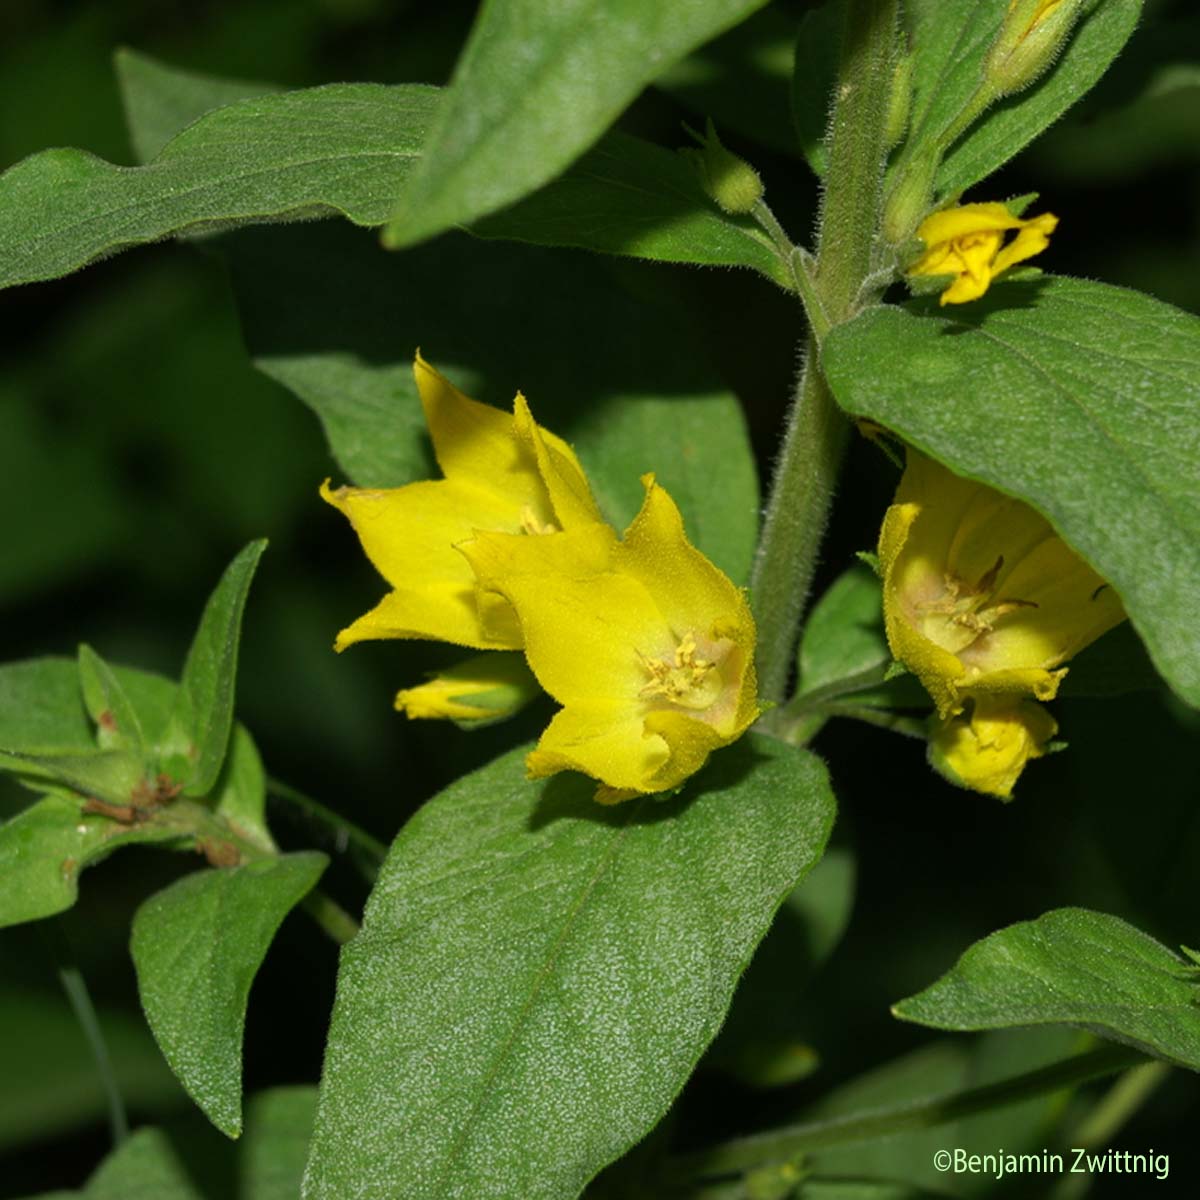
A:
x: 531, y: 524
x: 685, y: 678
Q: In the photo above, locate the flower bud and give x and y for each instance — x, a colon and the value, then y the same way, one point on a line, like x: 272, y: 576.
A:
x: 477, y: 691
x: 1029, y: 40
x: 731, y: 182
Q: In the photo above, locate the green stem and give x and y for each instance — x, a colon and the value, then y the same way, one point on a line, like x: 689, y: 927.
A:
x: 781, y: 1145
x: 353, y: 834
x: 795, y: 521
x: 815, y: 440
x: 85, y: 1014
x: 1103, y: 1123
x: 330, y: 916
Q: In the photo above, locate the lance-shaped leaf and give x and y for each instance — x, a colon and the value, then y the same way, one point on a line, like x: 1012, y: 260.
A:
x: 951, y: 39
x: 626, y: 196
x: 342, y: 149
x: 537, y: 975
x: 1073, y: 967
x: 118, y: 725
x: 41, y: 707
x: 537, y: 84
x: 199, y: 730
x: 1079, y: 398
x: 197, y: 946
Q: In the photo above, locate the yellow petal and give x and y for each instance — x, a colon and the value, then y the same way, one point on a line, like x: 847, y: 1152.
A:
x: 1033, y: 238
x: 963, y: 219
x: 483, y: 688
x: 987, y: 750
x: 603, y: 739
x: 563, y: 477
x: 409, y: 534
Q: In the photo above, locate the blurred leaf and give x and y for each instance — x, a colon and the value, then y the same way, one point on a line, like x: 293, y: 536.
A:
x: 197, y: 946
x: 628, y: 196
x: 537, y: 976
x: 818, y: 48
x: 951, y: 39
x: 740, y: 79
x: 342, y: 148
x: 764, y: 1041
x: 116, y: 720
x: 41, y: 708
x: 1159, y: 127
x: 337, y: 322
x: 203, y: 714
x: 1086, y: 404
x: 43, y: 849
x: 50, y: 1084
x: 160, y: 101
x: 941, y: 1068
x: 501, y: 133
x: 1074, y: 967
x: 183, y: 1162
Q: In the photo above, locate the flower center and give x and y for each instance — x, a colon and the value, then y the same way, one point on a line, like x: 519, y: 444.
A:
x: 685, y: 678
x: 531, y: 524
x: 965, y: 611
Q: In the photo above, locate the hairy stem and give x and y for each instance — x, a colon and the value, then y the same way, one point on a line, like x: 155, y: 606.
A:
x: 780, y: 1145
x: 815, y: 440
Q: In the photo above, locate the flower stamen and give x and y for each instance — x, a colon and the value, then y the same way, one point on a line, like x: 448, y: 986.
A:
x: 530, y: 523
x: 683, y: 679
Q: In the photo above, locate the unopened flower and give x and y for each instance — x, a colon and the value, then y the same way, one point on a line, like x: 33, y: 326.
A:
x: 502, y: 472
x: 1033, y: 34
x: 967, y: 244
x: 981, y: 597
x: 986, y: 747
x: 484, y: 688
x: 647, y: 645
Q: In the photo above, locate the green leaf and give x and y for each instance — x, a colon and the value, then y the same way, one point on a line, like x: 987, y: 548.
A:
x: 951, y: 39
x: 160, y: 101
x: 43, y: 849
x: 203, y: 715
x: 337, y: 322
x: 501, y: 133
x: 41, y: 707
x: 536, y: 975
x: 843, y: 636
x: 110, y: 775
x: 341, y: 149
x: 197, y: 946
x: 1084, y: 402
x: 241, y: 791
x: 628, y: 196
x: 117, y: 724
x: 1073, y: 967
x: 183, y: 1162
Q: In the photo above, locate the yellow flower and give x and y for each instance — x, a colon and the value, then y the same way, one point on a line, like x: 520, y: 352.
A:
x: 646, y: 644
x: 980, y: 597
x: 988, y: 748
x: 502, y: 473
x: 967, y: 242
x: 486, y: 687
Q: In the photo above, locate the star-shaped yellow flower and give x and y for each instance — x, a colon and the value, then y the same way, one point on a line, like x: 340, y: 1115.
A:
x: 980, y: 596
x: 502, y: 472
x: 646, y: 644
x: 967, y: 242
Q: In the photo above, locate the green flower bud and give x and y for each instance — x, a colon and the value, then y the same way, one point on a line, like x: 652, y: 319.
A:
x: 1029, y: 41
x: 731, y: 182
